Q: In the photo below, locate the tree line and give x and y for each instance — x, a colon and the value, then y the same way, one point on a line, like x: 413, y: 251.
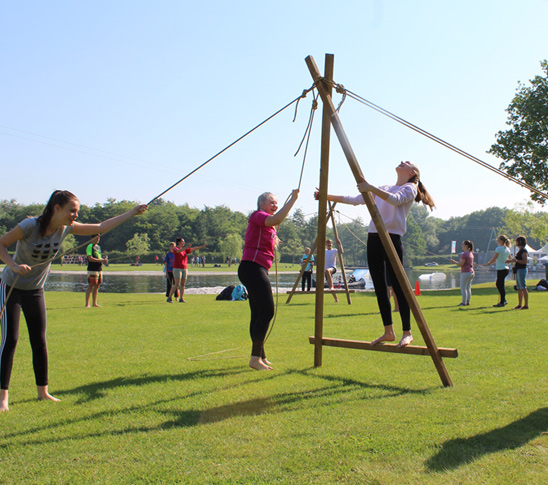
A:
x: 428, y: 238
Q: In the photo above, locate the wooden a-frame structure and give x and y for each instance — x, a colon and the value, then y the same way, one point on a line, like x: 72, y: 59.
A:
x: 330, y: 117
x: 346, y: 290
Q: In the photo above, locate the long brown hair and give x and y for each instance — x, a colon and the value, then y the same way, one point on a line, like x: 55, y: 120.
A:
x: 422, y: 194
x: 60, y: 198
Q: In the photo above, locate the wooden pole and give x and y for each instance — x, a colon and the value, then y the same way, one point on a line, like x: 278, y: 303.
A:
x: 340, y: 253
x: 328, y: 107
x: 322, y: 211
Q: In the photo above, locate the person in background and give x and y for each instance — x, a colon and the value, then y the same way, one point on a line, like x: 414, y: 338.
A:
x: 502, y: 253
x: 95, y: 271
x: 180, y: 270
x: 330, y: 266
x: 466, y: 263
x: 259, y: 246
x: 169, y: 261
x: 38, y: 240
x: 521, y: 273
x: 307, y: 274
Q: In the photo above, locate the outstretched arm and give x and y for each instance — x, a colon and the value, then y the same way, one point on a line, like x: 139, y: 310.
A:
x: 277, y: 218
x: 109, y: 224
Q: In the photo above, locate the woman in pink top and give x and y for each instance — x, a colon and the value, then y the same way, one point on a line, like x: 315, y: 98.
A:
x: 467, y: 274
x: 260, y: 242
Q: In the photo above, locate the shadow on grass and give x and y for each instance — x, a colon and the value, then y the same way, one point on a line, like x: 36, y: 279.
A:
x: 331, y: 389
x: 463, y: 451
x: 98, y: 390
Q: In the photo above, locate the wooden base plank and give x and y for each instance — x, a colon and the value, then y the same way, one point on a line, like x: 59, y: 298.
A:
x: 384, y: 347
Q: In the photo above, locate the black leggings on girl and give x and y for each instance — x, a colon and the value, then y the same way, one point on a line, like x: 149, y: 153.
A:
x: 501, y: 276
x: 255, y: 278
x: 33, y: 304
x: 378, y: 264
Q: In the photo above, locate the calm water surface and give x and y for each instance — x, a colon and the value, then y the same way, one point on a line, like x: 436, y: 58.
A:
x: 139, y: 283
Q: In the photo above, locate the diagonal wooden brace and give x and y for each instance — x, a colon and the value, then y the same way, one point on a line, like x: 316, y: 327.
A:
x: 379, y: 224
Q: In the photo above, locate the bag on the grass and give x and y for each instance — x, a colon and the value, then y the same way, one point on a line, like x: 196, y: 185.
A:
x: 239, y: 293
x: 226, y: 294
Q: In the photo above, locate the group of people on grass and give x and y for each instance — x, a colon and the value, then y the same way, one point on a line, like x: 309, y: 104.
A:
x: 39, y: 240
x: 501, y: 259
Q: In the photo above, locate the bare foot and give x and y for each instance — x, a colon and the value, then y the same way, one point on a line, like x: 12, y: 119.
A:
x: 44, y: 395
x: 405, y: 340
x: 387, y: 336
x: 4, y: 400
x: 257, y: 364
x: 87, y: 306
x: 97, y: 306
x: 266, y: 362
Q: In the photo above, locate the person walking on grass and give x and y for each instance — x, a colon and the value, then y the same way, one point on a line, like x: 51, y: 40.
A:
x: 259, y: 246
x: 466, y: 263
x: 502, y: 253
x: 39, y: 240
x: 521, y: 273
x: 393, y: 203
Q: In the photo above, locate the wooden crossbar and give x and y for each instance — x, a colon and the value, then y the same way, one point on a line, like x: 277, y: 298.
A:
x: 384, y: 347
x: 313, y: 292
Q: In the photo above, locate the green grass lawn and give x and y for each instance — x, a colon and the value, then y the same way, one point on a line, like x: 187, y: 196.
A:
x: 135, y: 409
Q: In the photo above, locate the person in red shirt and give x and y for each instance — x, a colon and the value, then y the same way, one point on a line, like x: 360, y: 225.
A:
x: 180, y: 270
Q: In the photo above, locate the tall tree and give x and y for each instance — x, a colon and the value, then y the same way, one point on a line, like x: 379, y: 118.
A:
x: 524, y: 147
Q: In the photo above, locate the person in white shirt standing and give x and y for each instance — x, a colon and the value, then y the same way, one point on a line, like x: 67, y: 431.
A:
x: 393, y: 203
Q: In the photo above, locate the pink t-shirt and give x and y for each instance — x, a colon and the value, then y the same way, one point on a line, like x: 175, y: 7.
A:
x: 468, y: 266
x: 259, y: 240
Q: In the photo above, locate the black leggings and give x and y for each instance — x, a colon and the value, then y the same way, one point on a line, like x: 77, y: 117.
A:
x: 379, y: 265
x: 307, y: 280
x: 501, y: 276
x: 255, y: 278
x: 33, y: 304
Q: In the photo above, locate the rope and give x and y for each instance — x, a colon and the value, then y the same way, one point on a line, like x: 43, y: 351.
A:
x: 199, y: 357
x: 341, y: 88
x: 306, y: 135
x: 296, y: 100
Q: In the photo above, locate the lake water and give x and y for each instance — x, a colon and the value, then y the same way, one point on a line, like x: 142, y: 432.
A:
x: 141, y: 283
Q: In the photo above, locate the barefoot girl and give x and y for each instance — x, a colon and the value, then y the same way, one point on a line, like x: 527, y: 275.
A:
x: 394, y: 203
x: 38, y: 240
x: 258, y: 254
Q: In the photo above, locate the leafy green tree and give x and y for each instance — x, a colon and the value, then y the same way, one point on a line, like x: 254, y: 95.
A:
x: 231, y: 246
x: 524, y: 147
x: 138, y: 245
x: 525, y: 221
x: 415, y: 245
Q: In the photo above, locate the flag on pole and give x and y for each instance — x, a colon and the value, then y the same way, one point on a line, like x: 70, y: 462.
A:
x: 453, y: 247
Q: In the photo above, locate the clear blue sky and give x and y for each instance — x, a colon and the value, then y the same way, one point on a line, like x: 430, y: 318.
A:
x: 120, y: 99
